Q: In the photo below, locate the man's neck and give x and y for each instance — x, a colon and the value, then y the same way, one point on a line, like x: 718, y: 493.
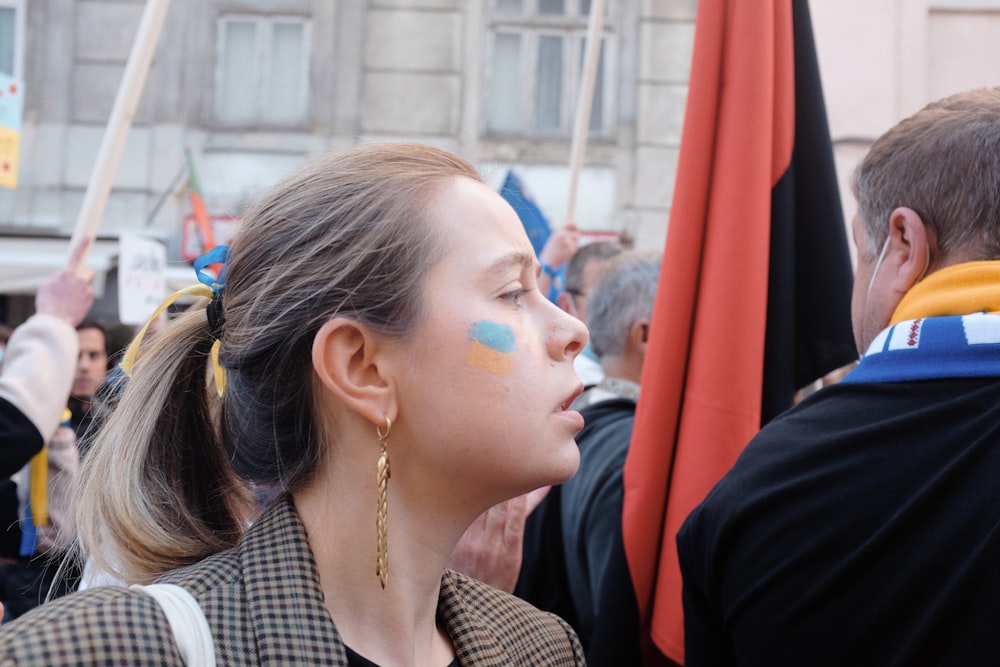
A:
x: 622, y: 367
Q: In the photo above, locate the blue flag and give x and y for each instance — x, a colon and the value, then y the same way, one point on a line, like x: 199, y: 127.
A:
x: 534, y: 221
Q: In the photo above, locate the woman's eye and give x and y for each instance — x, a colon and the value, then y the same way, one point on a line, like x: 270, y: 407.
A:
x: 515, y: 296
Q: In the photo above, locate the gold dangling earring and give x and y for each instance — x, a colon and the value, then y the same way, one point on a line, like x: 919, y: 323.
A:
x: 382, y: 562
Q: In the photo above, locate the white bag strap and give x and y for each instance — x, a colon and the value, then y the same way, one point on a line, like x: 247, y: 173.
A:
x: 187, y: 621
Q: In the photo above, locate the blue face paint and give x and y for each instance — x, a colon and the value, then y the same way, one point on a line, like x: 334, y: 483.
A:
x: 491, y: 345
x: 499, y: 337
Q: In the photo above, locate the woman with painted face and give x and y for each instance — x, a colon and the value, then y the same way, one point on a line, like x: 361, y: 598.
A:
x: 377, y: 350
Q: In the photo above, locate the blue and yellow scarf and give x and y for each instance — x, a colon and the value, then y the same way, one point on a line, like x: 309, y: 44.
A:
x: 947, y: 326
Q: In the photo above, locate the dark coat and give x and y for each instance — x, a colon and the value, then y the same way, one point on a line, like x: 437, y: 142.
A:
x: 859, y: 528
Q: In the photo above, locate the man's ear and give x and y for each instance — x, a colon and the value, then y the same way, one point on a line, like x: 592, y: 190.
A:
x: 345, y: 358
x: 638, y: 335
x: 913, y: 245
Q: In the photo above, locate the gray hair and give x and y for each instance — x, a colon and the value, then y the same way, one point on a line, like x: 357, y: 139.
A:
x: 623, y: 295
x: 944, y: 163
x: 578, y: 262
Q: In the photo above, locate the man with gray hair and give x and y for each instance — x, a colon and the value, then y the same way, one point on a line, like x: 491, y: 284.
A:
x: 619, y: 310
x: 581, y: 573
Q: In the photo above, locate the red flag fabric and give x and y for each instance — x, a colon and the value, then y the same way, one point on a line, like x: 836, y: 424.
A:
x: 729, y: 284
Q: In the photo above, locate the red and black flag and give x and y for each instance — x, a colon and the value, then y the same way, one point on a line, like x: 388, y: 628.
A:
x: 755, y: 284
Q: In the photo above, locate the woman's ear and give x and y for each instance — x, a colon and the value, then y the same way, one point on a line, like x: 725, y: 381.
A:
x: 914, y: 244
x: 345, y: 358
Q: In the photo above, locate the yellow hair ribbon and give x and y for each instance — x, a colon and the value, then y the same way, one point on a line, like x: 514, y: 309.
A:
x: 38, y: 480
x: 38, y: 487
x: 218, y: 372
x: 128, y: 361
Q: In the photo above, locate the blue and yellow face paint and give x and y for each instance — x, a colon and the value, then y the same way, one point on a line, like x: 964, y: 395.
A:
x: 491, y: 348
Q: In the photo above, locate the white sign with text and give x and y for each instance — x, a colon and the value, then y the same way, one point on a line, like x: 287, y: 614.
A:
x: 142, y: 277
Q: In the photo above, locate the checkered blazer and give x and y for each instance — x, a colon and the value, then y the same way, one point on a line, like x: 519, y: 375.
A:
x: 264, y: 605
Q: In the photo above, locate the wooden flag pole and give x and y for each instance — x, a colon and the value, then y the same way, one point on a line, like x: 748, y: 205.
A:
x: 585, y: 100
x: 119, y: 123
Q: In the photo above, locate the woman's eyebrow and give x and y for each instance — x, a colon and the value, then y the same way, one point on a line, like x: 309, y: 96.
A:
x: 516, y: 259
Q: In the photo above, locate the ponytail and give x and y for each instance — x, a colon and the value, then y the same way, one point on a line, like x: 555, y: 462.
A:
x: 156, y: 489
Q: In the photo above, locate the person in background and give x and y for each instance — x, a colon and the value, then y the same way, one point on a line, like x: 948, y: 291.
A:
x: 558, y: 249
x: 380, y: 351
x: 577, y: 569
x: 39, y: 362
x: 583, y: 272
x: 35, y: 381
x: 91, y: 369
x: 861, y: 526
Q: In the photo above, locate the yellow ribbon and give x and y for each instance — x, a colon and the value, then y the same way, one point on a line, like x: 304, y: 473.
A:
x: 218, y: 372
x: 38, y: 491
x: 38, y: 481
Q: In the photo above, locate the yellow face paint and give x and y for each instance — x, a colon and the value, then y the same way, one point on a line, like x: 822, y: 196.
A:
x: 491, y: 347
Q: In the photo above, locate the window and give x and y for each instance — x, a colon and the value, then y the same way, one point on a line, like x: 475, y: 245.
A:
x: 262, y: 71
x: 12, y: 37
x: 535, y: 61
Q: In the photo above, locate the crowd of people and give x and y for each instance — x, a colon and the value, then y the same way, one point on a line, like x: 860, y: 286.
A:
x: 377, y: 441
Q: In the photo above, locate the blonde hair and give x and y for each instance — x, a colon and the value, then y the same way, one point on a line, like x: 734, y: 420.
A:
x: 166, y: 482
